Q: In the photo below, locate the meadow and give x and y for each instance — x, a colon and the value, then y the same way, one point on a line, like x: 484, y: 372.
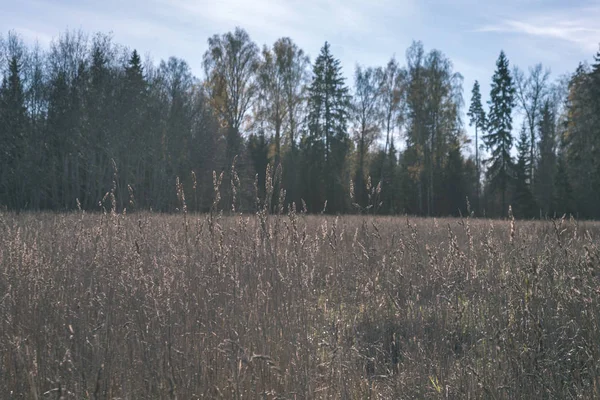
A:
x: 295, y: 306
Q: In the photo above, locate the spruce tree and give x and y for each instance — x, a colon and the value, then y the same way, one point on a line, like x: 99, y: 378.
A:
x: 328, y: 140
x: 13, y: 136
x: 563, y: 195
x: 523, y: 201
x: 595, y: 134
x: 59, y: 131
x: 546, y: 167
x: 133, y: 127
x: 498, y: 138
x: 580, y: 141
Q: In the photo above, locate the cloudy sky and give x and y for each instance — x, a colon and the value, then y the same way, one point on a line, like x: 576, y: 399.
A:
x: 558, y: 33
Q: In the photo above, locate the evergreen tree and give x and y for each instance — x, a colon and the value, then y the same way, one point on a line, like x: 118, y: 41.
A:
x: 59, y: 131
x: 523, y: 201
x: 36, y: 100
x: 99, y: 106
x: 13, y: 136
x: 391, y: 196
x: 477, y: 119
x: 135, y: 83
x: 581, y: 141
x: 595, y: 134
x: 258, y: 147
x: 546, y: 167
x: 455, y: 192
x: 133, y: 127
x: 563, y: 197
x: 498, y: 138
x: 328, y: 140
x: 67, y: 113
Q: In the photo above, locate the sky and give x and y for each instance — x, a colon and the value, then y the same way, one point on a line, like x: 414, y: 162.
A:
x: 557, y: 33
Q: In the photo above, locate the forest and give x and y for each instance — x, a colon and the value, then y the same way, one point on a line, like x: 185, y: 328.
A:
x: 158, y: 236
x: 88, y: 124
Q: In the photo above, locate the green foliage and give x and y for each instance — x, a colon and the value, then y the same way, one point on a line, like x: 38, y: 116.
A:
x: 498, y: 137
x: 477, y: 119
x: 476, y: 112
x: 327, y: 141
x: 434, y: 99
x: 13, y: 135
x: 456, y: 186
x: 564, y: 197
x: 545, y: 174
x: 523, y: 200
x: 582, y: 139
x: 87, y: 119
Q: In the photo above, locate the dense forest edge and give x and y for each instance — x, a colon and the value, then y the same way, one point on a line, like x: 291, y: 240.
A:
x: 86, y: 123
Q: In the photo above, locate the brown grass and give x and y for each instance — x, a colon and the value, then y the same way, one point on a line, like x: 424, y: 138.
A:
x: 147, y: 306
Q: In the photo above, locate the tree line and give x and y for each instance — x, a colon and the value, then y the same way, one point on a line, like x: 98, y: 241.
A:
x: 87, y: 123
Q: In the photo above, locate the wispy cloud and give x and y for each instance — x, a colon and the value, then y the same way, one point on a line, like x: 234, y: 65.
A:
x: 578, y: 27
x: 331, y: 14
x: 346, y: 24
x: 307, y: 21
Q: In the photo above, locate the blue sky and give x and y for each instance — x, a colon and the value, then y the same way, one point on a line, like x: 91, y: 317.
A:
x: 558, y: 33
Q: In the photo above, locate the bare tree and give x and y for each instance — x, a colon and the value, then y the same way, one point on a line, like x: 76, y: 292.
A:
x: 393, y: 99
x: 231, y: 63
x: 294, y: 67
x: 270, y: 109
x: 70, y: 50
x: 531, y: 91
x: 434, y: 100
x: 366, y: 110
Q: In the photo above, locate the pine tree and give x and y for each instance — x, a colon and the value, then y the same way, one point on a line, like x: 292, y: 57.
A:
x: 523, y: 201
x: 328, y: 140
x: 476, y: 116
x: 498, y: 138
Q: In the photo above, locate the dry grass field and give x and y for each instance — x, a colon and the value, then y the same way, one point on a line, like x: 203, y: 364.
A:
x: 291, y: 306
